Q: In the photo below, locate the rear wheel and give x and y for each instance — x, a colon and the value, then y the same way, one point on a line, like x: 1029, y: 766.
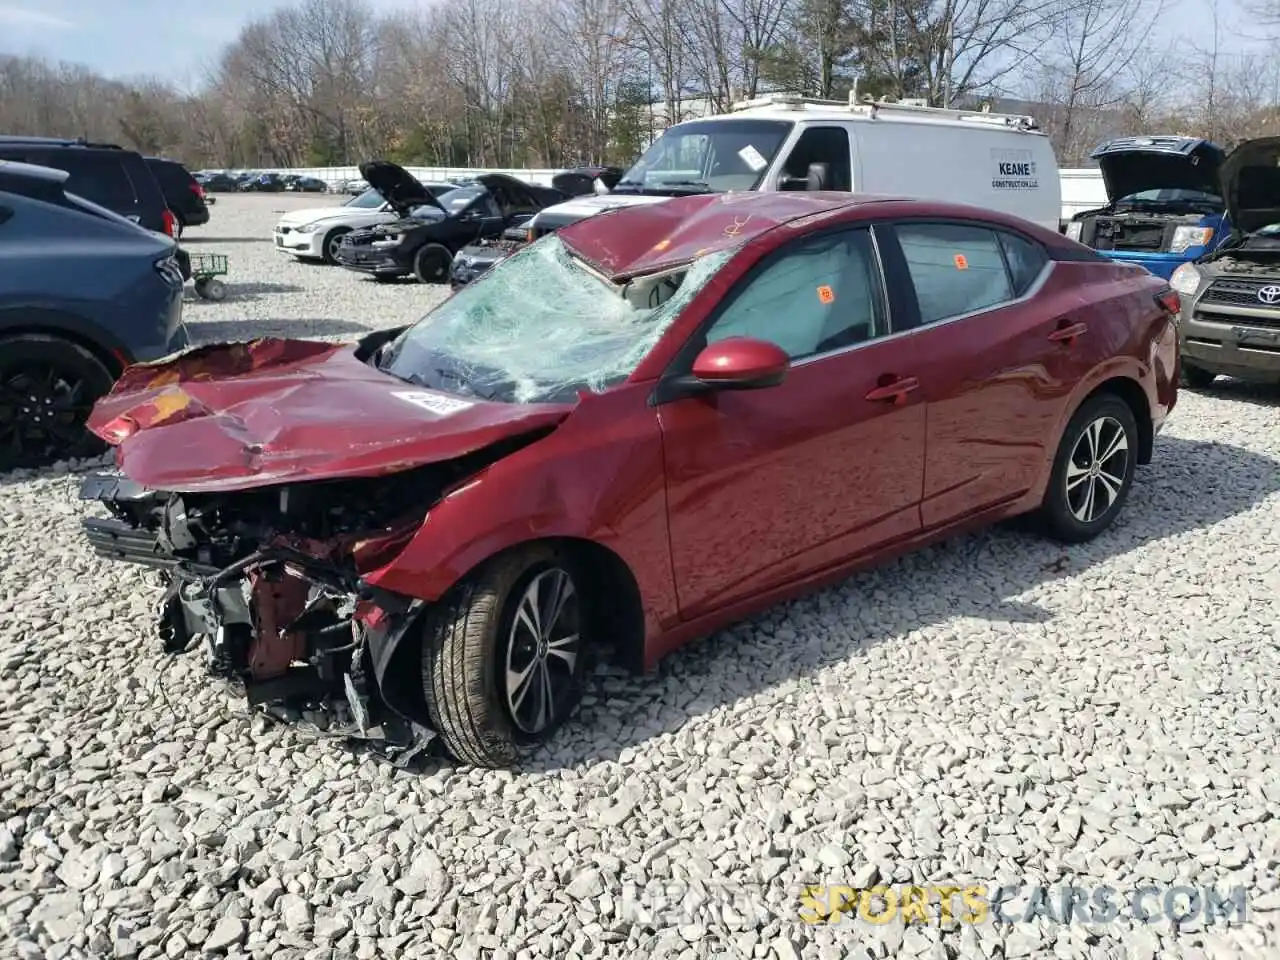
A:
x: 503, y: 656
x: 1197, y: 378
x: 1093, y: 470
x: 432, y: 264
x: 47, y: 389
x: 330, y: 246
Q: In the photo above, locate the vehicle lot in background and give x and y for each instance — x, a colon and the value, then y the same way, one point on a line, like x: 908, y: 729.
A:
x: 182, y: 192
x: 315, y: 233
x: 993, y: 680
x: 101, y: 173
x: 430, y: 230
x: 83, y: 293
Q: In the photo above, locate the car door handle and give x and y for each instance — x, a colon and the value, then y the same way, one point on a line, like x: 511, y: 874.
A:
x: 895, y: 392
x: 1069, y: 333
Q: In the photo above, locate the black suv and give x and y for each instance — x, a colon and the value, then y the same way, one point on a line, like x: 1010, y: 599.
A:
x: 182, y: 192
x: 102, y: 173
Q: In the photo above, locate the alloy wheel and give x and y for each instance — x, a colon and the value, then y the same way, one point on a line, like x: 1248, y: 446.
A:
x: 1097, y: 469
x: 543, y: 647
x: 42, y: 413
x: 334, y: 243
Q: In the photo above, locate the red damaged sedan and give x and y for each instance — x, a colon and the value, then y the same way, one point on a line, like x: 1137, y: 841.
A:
x: 628, y: 434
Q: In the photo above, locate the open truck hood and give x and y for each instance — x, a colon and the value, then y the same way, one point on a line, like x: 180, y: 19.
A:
x: 1250, y: 184
x: 397, y: 185
x: 1132, y: 164
x: 245, y: 415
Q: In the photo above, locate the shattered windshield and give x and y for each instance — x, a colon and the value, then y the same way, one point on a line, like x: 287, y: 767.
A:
x: 541, y: 326
x: 707, y: 157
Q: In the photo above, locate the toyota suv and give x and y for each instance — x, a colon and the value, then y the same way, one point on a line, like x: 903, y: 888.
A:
x: 1230, y: 317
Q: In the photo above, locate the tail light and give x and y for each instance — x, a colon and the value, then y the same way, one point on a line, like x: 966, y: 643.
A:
x: 168, y: 268
x: 1170, y: 301
x: 170, y: 224
x: 197, y: 189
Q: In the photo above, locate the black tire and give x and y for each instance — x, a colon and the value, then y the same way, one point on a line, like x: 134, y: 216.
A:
x: 432, y: 264
x: 211, y: 288
x: 1196, y: 378
x: 39, y: 372
x: 330, y: 239
x: 471, y: 637
x: 1067, y: 514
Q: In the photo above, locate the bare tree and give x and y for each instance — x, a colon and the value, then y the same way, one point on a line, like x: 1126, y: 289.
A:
x: 1083, y: 65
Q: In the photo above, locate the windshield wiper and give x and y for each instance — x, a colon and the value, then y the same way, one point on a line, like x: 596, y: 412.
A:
x: 699, y: 185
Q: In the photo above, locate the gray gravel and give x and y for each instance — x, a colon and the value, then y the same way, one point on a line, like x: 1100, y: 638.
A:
x: 997, y: 710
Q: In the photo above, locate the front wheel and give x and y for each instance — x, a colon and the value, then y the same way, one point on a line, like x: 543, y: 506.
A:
x: 432, y: 264
x: 503, y: 656
x: 48, y: 387
x: 1093, y: 470
x: 1197, y: 378
x: 332, y: 240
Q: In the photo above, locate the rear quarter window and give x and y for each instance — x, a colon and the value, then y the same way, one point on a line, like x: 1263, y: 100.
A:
x: 1024, y: 258
x: 99, y: 178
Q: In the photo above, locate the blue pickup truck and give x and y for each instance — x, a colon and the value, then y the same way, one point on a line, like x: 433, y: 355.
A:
x: 1165, y: 205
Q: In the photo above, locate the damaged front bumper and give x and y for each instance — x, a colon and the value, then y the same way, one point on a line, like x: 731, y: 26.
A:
x: 287, y: 621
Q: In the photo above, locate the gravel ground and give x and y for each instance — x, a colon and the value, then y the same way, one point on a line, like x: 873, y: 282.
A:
x: 994, y: 711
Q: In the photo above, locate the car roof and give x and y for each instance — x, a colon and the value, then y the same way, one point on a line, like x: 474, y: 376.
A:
x: 647, y: 238
x: 642, y: 239
x: 32, y: 171
x: 57, y: 142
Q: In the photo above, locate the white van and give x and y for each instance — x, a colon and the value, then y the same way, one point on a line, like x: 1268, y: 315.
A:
x: 780, y: 142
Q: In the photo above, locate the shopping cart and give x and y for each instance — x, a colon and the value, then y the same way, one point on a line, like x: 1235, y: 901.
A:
x: 205, y: 270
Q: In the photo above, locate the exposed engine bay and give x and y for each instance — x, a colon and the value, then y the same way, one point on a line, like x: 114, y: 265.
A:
x: 1137, y: 230
x: 267, y: 583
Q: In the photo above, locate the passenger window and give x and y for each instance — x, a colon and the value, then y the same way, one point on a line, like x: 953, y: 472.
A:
x: 1025, y: 260
x: 826, y: 145
x: 819, y: 295
x: 955, y: 269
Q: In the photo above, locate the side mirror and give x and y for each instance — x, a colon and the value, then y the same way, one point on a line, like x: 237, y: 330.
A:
x: 819, y: 175
x: 741, y: 363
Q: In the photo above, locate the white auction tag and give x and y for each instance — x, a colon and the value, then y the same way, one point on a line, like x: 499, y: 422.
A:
x: 434, y: 402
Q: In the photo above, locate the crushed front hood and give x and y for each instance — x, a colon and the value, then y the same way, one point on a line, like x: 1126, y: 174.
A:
x: 245, y: 415
x: 1251, y: 184
x: 1130, y: 165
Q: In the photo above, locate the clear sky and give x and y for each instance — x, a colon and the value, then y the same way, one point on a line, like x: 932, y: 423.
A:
x: 179, y: 39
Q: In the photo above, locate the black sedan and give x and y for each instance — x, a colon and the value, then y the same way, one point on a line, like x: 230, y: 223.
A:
x: 431, y: 230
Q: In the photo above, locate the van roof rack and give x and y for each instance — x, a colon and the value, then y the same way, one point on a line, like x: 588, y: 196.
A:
x: 871, y: 108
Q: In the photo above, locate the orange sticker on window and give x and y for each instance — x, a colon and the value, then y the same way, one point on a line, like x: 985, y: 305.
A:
x: 826, y: 294
x: 961, y: 262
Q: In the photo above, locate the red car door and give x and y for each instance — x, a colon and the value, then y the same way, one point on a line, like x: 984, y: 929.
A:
x: 766, y: 486
x: 994, y: 369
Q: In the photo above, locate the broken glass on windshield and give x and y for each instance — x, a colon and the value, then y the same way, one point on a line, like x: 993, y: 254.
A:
x: 542, y: 326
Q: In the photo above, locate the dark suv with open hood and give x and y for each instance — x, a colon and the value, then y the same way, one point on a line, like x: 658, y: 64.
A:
x: 1230, y: 317
x: 1164, y: 204
x: 423, y: 243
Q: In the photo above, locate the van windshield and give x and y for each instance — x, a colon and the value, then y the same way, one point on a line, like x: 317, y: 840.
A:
x: 707, y: 156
